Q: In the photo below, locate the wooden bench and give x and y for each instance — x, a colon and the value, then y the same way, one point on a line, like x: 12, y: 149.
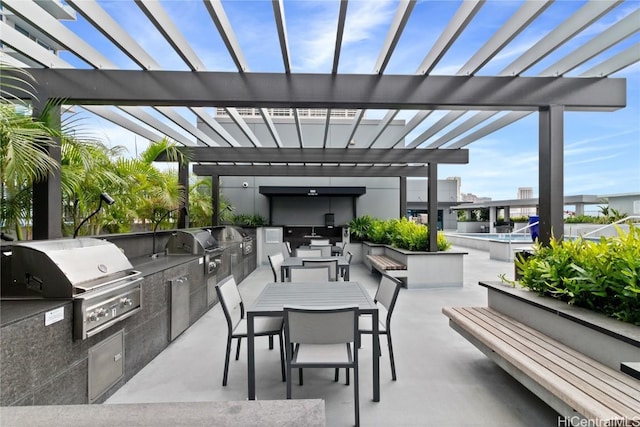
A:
x: 387, y: 265
x: 571, y: 383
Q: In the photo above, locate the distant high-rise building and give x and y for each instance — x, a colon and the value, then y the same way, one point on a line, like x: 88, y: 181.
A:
x: 524, y: 193
x: 458, y: 185
x: 308, y: 113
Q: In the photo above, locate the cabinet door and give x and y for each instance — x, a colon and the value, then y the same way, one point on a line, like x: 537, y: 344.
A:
x: 179, y: 305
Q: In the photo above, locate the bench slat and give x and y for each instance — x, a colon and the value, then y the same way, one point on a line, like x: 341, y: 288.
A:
x: 619, y: 381
x: 552, y: 355
x: 386, y: 263
x: 504, y: 344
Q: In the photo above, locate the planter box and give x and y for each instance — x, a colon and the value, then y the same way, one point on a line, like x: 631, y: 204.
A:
x: 472, y: 227
x: 602, y: 338
x: 424, y: 269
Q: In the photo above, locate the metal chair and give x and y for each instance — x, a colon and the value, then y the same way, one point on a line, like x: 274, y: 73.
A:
x: 338, y: 250
x: 386, y: 295
x: 343, y: 271
x: 276, y: 261
x: 287, y: 245
x: 322, y: 338
x: 308, y: 252
x: 233, y: 309
x: 301, y: 273
x: 331, y: 263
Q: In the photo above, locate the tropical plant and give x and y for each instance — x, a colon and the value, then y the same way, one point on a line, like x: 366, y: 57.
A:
x: 247, y: 220
x: 603, y: 276
x: 359, y: 227
x: 24, y: 157
x: 402, y: 233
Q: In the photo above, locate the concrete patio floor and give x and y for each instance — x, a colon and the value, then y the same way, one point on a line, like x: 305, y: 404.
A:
x: 443, y: 380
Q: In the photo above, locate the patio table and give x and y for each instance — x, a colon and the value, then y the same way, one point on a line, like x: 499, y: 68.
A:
x: 343, y: 264
x: 275, y: 296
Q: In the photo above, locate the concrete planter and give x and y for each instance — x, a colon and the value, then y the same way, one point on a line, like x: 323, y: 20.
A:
x: 424, y: 269
x: 602, y: 338
x: 472, y: 226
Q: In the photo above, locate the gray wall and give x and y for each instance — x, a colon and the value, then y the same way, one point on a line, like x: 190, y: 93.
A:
x: 625, y: 203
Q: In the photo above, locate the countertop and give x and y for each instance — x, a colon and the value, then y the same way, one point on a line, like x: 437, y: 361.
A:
x: 15, y: 309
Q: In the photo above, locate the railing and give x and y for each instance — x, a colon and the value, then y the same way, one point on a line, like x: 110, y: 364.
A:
x: 612, y: 224
x: 526, y: 227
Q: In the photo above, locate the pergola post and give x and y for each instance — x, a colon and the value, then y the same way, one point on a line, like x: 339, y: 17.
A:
x: 183, y: 180
x: 432, y: 206
x: 215, y: 199
x: 47, y: 194
x: 403, y: 197
x: 551, y: 172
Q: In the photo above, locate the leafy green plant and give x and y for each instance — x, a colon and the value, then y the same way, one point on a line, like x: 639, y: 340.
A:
x: 248, y: 220
x: 359, y: 227
x: 403, y: 234
x: 603, y: 276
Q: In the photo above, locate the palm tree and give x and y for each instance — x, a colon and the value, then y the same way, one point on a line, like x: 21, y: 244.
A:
x: 24, y: 159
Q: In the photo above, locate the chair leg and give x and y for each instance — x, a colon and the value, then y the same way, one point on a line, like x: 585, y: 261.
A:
x: 356, y: 394
x: 288, y: 380
x: 226, y: 361
x: 348, y: 376
x: 391, y: 359
x: 337, y: 376
x: 238, y: 349
x: 270, y: 342
x: 281, y: 339
x: 300, y: 376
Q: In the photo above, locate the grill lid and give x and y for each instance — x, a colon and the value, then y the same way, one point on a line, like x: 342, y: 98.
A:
x: 59, y: 266
x: 196, y: 241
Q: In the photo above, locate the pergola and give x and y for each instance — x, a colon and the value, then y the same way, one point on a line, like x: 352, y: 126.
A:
x: 549, y: 94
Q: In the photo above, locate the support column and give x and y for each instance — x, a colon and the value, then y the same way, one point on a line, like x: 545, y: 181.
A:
x: 183, y: 180
x: 432, y: 206
x: 47, y: 194
x: 493, y: 217
x: 403, y: 196
x: 551, y: 173
x: 215, y: 199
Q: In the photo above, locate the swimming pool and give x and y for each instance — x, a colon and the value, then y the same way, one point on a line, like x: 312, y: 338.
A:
x: 517, y: 237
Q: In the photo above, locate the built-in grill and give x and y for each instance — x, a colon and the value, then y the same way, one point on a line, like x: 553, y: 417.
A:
x: 230, y: 234
x: 95, y: 273
x: 196, y: 241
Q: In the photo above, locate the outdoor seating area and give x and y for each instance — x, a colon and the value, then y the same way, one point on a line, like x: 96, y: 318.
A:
x: 441, y: 379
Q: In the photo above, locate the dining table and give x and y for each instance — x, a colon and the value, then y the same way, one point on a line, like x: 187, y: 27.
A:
x: 275, y: 296
x: 343, y: 265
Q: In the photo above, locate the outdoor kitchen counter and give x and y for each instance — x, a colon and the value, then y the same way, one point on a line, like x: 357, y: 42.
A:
x: 147, y: 265
x: 12, y: 311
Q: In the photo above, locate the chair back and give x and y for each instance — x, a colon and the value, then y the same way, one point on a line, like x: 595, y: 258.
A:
x: 387, y: 294
x: 319, y: 242
x: 288, y: 246
x: 348, y: 257
x: 306, y: 325
x: 308, y: 252
x: 276, y: 261
x: 331, y: 263
x: 300, y: 273
x: 230, y: 300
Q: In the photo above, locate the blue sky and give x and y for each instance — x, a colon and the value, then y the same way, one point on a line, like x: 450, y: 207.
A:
x: 602, y: 149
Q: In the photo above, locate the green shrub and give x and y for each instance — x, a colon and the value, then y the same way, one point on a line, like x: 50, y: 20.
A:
x: 603, y: 276
x: 403, y: 234
x: 247, y: 220
x: 359, y: 227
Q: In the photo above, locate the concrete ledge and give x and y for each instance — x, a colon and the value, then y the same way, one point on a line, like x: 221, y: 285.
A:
x: 264, y: 413
x: 424, y: 269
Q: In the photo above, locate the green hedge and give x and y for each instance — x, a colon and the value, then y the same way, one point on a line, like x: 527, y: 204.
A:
x: 603, y: 276
x: 399, y: 233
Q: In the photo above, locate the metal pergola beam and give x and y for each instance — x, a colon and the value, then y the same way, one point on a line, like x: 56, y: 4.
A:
x: 185, y: 88
x: 314, y: 171
x: 322, y: 155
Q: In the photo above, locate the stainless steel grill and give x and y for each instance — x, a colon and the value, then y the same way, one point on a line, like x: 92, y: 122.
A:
x: 95, y: 273
x: 196, y: 241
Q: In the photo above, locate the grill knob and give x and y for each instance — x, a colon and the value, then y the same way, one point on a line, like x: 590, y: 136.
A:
x: 93, y: 316
x: 102, y: 312
x: 125, y: 301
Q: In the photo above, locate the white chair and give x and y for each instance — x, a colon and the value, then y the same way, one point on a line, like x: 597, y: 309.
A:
x: 322, y: 338
x: 386, y: 296
x: 287, y: 245
x: 338, y: 250
x: 300, y: 273
x: 319, y: 242
x: 233, y: 309
x: 343, y: 271
x: 308, y: 253
x: 319, y: 262
x: 276, y: 261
